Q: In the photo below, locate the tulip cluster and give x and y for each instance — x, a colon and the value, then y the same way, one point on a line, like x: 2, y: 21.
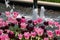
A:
x: 14, y: 28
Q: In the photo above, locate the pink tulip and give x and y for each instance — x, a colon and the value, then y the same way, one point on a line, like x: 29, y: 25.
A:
x: 5, y: 23
x: 1, y: 37
x: 50, y: 34
x: 23, y: 25
x: 46, y: 39
x: 40, y: 32
x: 35, y: 22
x: 50, y: 23
x: 36, y: 29
x: 1, y: 19
x: 27, y: 35
x: 15, y: 14
x: 7, y: 13
x: 20, y: 36
x: 12, y: 20
x: 1, y: 22
x: 39, y: 20
x: 7, y: 30
x: 33, y: 34
x: 56, y: 24
x: 23, y: 20
x: 4, y: 37
x: 1, y: 31
x: 57, y: 32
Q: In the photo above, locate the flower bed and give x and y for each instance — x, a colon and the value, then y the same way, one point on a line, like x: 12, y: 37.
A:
x: 13, y: 27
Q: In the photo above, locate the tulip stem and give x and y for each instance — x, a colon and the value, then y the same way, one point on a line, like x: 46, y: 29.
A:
x: 31, y: 38
x: 38, y: 38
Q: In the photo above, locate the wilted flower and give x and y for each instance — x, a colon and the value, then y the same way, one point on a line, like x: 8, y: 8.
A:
x: 26, y: 35
x: 46, y: 23
x: 18, y: 19
x: 30, y: 28
x: 30, y: 21
x: 20, y: 36
x: 11, y: 34
x: 43, y: 27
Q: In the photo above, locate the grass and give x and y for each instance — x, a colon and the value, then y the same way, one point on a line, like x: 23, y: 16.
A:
x: 57, y: 1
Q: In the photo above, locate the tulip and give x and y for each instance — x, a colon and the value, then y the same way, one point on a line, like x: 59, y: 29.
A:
x: 11, y: 34
x: 46, y: 23
x: 33, y: 34
x: 26, y: 35
x: 30, y: 28
x: 50, y: 23
x: 30, y: 21
x: 35, y: 22
x: 5, y: 23
x: 46, y: 39
x: 50, y: 34
x: 4, y: 37
x: 40, y: 32
x: 23, y: 20
x: 12, y: 20
x: 57, y: 32
x: 56, y: 24
x: 36, y: 29
x: 6, y: 31
x: 1, y: 31
x: 7, y: 13
x: 23, y: 25
x: 15, y: 14
x: 20, y: 36
x: 39, y: 20
x: 1, y: 19
x: 1, y: 22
